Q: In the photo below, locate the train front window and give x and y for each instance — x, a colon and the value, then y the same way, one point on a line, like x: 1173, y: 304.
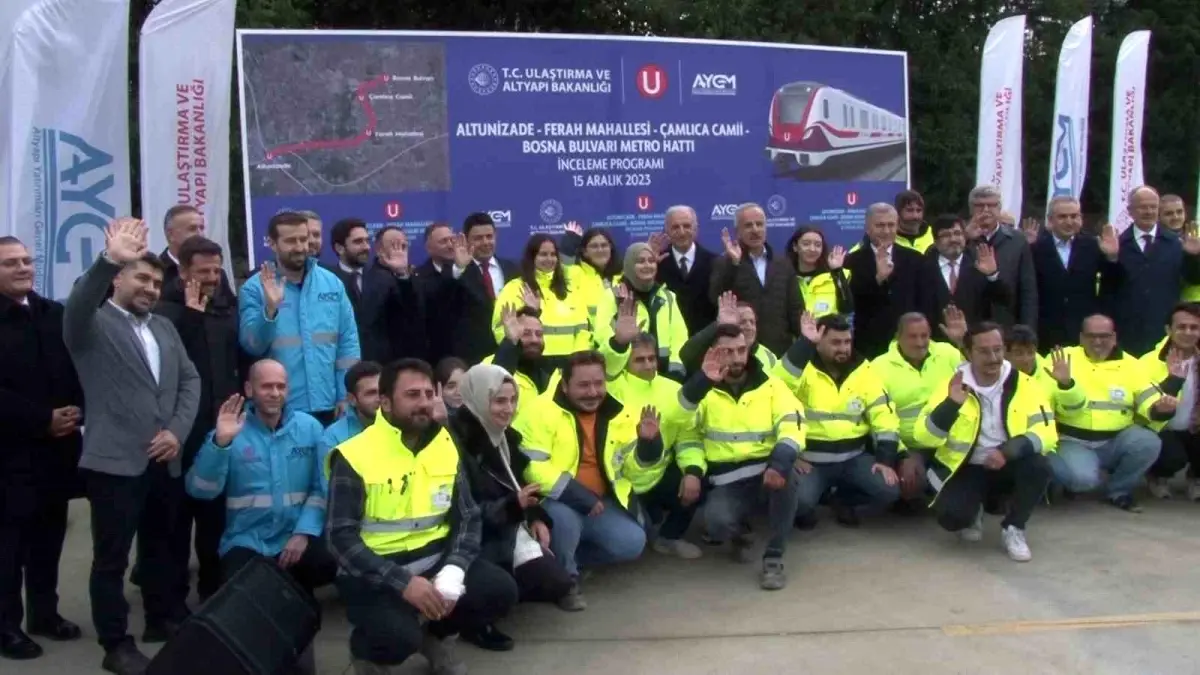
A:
x: 792, y: 105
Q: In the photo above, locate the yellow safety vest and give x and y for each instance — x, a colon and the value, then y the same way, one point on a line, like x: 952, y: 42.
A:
x: 910, y: 387
x: 742, y: 431
x: 1108, y: 396
x: 409, y: 496
x: 921, y: 243
x: 765, y: 357
x: 1154, y: 365
x: 668, y: 323
x: 1028, y: 413
x: 820, y: 293
x: 663, y: 393
x: 527, y: 391
x: 838, y: 418
x: 564, y: 322
x: 550, y: 439
x: 588, y: 286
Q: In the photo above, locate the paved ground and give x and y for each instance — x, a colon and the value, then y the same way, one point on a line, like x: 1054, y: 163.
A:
x: 1107, y: 592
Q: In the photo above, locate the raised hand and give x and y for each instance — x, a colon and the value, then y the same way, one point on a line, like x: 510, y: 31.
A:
x: 973, y: 229
x: 957, y: 391
x: 193, y: 296
x: 715, y: 364
x: 511, y: 323
x: 1191, y: 242
x: 439, y: 414
x: 462, y: 252
x: 954, y: 324
x: 230, y: 420
x: 727, y: 309
x: 733, y: 250
x: 574, y: 227
x: 883, y: 264
x: 1031, y: 228
x: 625, y: 328
x: 1060, y: 366
x: 985, y: 260
x: 1110, y: 245
x: 836, y: 258
x: 125, y: 240
x: 394, y: 256
x: 1176, y: 363
x: 659, y: 241
x: 532, y: 300
x: 272, y: 288
x: 809, y: 328
x: 648, y: 425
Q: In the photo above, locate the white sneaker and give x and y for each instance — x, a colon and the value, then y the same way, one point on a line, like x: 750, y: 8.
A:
x: 677, y: 547
x: 975, y: 531
x: 1194, y: 490
x: 1159, y: 487
x: 1014, y: 543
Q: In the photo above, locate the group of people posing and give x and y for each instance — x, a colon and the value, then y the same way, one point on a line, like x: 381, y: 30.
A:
x: 581, y: 403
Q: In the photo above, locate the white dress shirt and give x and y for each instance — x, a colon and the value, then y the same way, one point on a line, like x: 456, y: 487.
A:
x: 1138, y: 235
x: 493, y: 270
x: 760, y: 266
x: 687, y: 259
x: 947, y: 265
x: 1063, y: 247
x: 141, y: 328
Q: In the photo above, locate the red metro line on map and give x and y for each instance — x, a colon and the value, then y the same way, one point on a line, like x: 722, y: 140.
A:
x: 810, y: 122
x: 361, y: 95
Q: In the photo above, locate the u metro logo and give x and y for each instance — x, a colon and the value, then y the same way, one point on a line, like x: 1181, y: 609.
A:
x: 651, y: 81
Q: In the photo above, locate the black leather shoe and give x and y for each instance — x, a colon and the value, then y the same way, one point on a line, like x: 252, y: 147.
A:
x: 846, y: 516
x: 159, y: 631
x: 16, y: 645
x: 57, y: 629
x: 125, y: 659
x: 489, y: 638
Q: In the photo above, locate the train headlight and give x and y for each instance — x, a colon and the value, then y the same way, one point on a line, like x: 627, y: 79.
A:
x: 808, y: 133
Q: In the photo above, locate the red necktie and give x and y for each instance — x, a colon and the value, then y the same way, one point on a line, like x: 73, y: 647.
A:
x: 487, y: 279
x: 953, y: 277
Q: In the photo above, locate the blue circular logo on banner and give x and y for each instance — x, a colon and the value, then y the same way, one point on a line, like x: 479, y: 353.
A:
x: 484, y: 79
x: 776, y: 206
x: 551, y: 211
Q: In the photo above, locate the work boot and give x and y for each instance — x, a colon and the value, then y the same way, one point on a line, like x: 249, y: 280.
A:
x: 125, y: 659
x: 55, y: 628
x: 573, y: 601
x: 441, y: 656
x: 773, y: 578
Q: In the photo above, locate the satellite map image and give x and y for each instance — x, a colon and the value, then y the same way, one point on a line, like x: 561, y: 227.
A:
x: 354, y: 117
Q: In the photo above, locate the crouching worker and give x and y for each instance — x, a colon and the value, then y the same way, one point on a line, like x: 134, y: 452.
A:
x: 406, y: 534
x: 584, y: 446
x: 991, y: 427
x: 263, y: 457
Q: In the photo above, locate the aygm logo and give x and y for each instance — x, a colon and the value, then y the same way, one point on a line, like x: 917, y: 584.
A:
x: 724, y: 211
x: 1064, y: 158
x: 484, y: 79
x: 501, y: 218
x: 714, y: 84
x: 776, y: 206
x: 551, y: 211
x: 651, y: 81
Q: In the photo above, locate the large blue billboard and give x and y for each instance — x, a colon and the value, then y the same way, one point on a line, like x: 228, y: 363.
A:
x: 409, y: 128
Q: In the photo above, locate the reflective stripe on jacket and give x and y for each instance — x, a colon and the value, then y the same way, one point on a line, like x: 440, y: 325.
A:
x: 564, y: 322
x: 910, y: 387
x: 671, y: 331
x: 271, y: 481
x: 1107, y: 397
x: 820, y: 293
x: 663, y: 393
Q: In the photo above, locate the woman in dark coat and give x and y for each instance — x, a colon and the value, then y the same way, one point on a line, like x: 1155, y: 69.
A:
x: 516, y: 530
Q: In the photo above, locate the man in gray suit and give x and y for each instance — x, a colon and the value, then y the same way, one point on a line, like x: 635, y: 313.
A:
x: 1014, y: 260
x: 141, y: 394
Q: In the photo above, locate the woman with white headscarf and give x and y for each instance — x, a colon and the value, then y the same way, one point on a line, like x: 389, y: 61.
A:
x: 516, y: 530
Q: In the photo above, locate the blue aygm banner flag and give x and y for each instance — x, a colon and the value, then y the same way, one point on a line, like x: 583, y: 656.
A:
x: 410, y: 128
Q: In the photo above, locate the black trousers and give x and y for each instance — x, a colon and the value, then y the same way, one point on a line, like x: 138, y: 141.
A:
x: 960, y: 499
x: 316, y: 568
x: 205, y: 518
x: 1179, y: 449
x: 33, y: 524
x: 388, y: 630
x: 542, y: 580
x: 325, y: 417
x: 662, y: 503
x: 122, y: 507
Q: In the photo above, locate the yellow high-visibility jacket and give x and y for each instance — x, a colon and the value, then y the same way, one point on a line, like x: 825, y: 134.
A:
x: 1154, y: 365
x: 821, y: 292
x: 1107, y: 397
x: 670, y: 330
x: 909, y: 387
x: 663, y: 393
x: 564, y: 322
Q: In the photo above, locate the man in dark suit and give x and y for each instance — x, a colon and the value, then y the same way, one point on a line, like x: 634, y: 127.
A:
x: 756, y: 276
x: 952, y: 275
x: 1151, y: 265
x: 885, y: 279
x: 480, y: 276
x: 1012, y: 258
x: 439, y: 290
x: 141, y: 395
x: 207, y: 323
x: 393, y: 311
x: 687, y: 268
x: 351, y: 244
x: 1068, y: 265
x: 41, y: 414
x: 182, y: 222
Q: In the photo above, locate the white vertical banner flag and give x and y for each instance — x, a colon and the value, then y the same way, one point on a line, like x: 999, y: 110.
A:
x: 64, y: 131
x: 998, y: 161
x: 1129, y: 102
x: 1068, y: 146
x: 186, y: 70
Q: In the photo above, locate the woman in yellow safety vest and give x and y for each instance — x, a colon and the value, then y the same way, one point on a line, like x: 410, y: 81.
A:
x: 596, y: 268
x: 657, y: 310
x: 824, y: 283
x: 543, y: 286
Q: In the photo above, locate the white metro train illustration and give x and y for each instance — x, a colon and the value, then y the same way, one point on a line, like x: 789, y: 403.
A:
x: 810, y: 122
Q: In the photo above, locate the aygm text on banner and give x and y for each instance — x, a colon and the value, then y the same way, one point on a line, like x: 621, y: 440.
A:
x: 407, y: 129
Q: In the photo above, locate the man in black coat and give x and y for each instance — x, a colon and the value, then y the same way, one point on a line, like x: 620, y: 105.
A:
x: 439, y: 291
x: 351, y: 243
x: 182, y: 222
x: 1151, y: 264
x: 1013, y: 258
x: 687, y: 268
x: 1068, y: 265
x: 885, y: 280
x: 480, y: 276
x: 207, y: 323
x: 41, y: 412
x: 393, y: 310
x: 952, y: 275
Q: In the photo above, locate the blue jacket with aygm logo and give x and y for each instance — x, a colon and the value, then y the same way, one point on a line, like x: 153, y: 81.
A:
x: 313, y: 335
x: 271, y: 482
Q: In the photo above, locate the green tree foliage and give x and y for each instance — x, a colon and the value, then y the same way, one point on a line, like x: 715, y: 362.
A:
x: 943, y: 39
